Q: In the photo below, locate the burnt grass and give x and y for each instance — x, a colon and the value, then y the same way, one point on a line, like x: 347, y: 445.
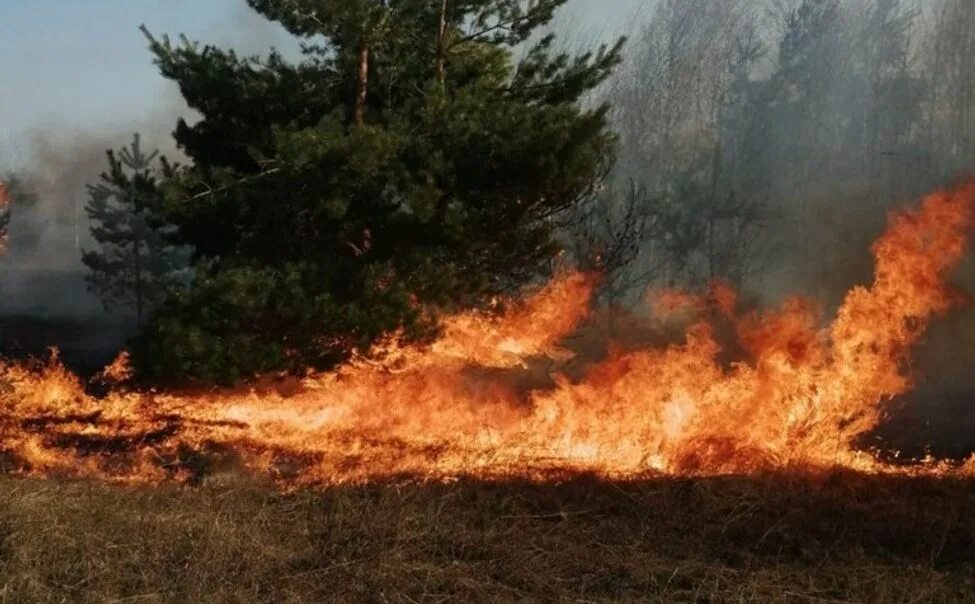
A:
x: 832, y: 538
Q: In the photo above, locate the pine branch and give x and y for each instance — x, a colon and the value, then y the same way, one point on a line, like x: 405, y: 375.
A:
x: 241, y: 182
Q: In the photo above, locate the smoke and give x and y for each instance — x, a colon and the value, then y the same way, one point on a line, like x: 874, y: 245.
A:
x: 44, y: 297
x: 49, y: 227
x: 58, y: 157
x: 592, y: 19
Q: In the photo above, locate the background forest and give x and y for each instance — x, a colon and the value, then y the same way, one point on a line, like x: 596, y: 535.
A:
x: 780, y: 132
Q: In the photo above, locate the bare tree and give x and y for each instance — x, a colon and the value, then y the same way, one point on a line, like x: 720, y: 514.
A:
x: 951, y: 64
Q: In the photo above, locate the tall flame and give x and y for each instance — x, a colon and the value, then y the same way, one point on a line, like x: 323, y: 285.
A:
x: 497, y: 396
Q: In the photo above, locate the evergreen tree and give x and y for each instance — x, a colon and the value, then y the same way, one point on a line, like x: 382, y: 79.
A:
x: 135, y: 264
x: 407, y: 162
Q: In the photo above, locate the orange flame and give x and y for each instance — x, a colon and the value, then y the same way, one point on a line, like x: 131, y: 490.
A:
x: 498, y: 396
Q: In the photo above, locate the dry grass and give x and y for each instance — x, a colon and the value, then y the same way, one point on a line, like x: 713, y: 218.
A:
x: 845, y: 538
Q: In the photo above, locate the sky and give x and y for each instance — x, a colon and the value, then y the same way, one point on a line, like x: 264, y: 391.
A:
x: 83, y: 65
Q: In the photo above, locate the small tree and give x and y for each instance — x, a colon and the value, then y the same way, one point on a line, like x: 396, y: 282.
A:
x: 135, y: 264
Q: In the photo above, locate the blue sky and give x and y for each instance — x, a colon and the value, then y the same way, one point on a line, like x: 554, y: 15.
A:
x: 83, y: 64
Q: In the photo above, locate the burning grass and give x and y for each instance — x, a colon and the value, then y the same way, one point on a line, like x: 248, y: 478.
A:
x: 499, y: 396
x: 833, y: 537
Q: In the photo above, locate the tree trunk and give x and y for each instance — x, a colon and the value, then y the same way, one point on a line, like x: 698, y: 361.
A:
x: 362, y: 83
x: 136, y: 226
x: 138, y: 281
x: 441, y: 66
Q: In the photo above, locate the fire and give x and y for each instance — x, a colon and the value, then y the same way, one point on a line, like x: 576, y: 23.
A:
x: 500, y: 396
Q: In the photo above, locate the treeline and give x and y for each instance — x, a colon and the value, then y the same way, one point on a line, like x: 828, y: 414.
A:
x: 761, y: 142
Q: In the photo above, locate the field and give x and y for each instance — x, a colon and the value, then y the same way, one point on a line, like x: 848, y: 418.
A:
x: 837, y: 538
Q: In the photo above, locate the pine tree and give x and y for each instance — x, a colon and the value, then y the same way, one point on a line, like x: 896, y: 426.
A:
x: 135, y: 264
x: 406, y: 163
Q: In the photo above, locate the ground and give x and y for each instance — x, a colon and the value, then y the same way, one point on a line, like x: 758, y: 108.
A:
x: 835, y: 538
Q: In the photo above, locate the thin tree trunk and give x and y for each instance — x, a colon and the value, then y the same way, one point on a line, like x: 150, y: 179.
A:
x: 136, y: 251
x: 138, y: 281
x: 362, y: 83
x: 441, y: 67
x: 712, y: 253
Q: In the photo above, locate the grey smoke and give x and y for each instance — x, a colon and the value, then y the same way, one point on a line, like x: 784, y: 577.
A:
x: 42, y: 272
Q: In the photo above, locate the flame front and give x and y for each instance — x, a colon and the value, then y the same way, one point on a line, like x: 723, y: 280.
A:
x: 496, y: 396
